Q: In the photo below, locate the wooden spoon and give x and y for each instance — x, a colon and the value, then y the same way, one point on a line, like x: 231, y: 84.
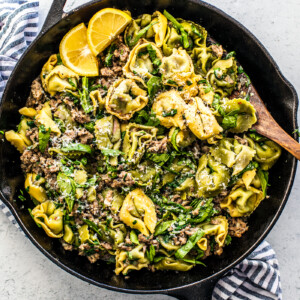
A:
x: 268, y: 127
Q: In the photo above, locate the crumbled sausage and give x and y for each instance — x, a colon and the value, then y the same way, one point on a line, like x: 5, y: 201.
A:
x: 237, y: 227
x: 159, y: 146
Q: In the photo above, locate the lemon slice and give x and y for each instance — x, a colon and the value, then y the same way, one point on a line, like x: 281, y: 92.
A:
x: 76, y: 54
x: 104, y: 27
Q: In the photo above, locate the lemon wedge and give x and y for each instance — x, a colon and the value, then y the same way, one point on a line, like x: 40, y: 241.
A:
x: 104, y: 27
x: 76, y: 54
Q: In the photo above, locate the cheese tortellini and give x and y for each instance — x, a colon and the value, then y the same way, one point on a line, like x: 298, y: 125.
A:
x: 200, y: 120
x: 169, y: 108
x: 136, y: 138
x: 50, y: 218
x: 217, y: 227
x: 244, y: 198
x: 138, y: 212
x: 33, y: 185
x: 143, y: 60
x: 60, y: 79
x: 211, y: 177
x: 126, y: 97
x: 233, y: 154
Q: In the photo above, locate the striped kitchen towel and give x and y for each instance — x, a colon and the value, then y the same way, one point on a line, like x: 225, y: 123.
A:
x: 256, y: 277
x: 19, y: 26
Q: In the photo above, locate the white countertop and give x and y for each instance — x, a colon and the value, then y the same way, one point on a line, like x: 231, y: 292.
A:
x: 26, y: 274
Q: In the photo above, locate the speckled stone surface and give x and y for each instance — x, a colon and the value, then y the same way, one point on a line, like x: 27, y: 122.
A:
x: 26, y: 274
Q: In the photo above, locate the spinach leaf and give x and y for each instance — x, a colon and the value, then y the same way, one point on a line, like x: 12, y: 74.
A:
x: 84, y: 96
x: 193, y: 239
x: 179, y: 27
x: 229, y: 122
x: 154, y: 84
x: 44, y: 136
x: 133, y: 237
x: 162, y: 227
x: 264, y: 178
x: 150, y: 253
x: 109, y: 56
x: 67, y: 189
x: 77, y: 147
x: 93, y: 226
x: 159, y: 159
x: 112, y: 152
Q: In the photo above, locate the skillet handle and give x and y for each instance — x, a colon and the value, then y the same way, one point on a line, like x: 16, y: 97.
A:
x: 54, y: 15
x: 196, y: 291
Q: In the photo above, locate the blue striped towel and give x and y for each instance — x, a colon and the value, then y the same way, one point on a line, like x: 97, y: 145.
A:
x: 256, y: 277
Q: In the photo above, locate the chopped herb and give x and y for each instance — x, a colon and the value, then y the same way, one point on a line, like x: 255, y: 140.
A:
x: 296, y: 131
x: 170, y: 113
x: 89, y: 126
x: 228, y: 240
x: 189, y: 83
x: 72, y: 83
x: 169, y: 81
x: 30, y: 124
x: 231, y: 54
x: 59, y: 61
x: 134, y: 222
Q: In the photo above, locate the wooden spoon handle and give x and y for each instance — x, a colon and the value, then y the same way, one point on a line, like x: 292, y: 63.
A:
x: 270, y: 129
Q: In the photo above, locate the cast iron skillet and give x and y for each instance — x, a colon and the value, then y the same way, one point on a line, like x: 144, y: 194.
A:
x: 275, y: 90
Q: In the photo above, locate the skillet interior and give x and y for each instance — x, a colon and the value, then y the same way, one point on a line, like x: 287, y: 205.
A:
x: 279, y: 96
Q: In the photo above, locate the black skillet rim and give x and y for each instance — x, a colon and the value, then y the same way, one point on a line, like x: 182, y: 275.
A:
x: 267, y: 230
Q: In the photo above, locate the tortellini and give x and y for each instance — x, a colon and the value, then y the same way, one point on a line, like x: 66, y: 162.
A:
x: 211, y: 177
x: 97, y: 100
x: 28, y: 112
x: 143, y: 61
x: 181, y: 138
x: 137, y: 260
x: 64, y: 114
x: 126, y: 97
x: 113, y: 199
x: 50, y: 218
x: 267, y: 153
x: 177, y: 67
x: 145, y: 174
x: 169, y: 263
x: 60, y: 79
x: 19, y: 139
x: 244, y: 198
x: 218, y: 227
x: 203, y: 58
x: 157, y: 31
x: 223, y: 75
x: 138, y: 212
x: 233, y: 154
x: 44, y: 117
x: 172, y: 41
x: 47, y: 68
x: 136, y: 138
x: 200, y: 120
x: 170, y: 108
x: 107, y: 132
x: 244, y: 113
x: 33, y: 185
